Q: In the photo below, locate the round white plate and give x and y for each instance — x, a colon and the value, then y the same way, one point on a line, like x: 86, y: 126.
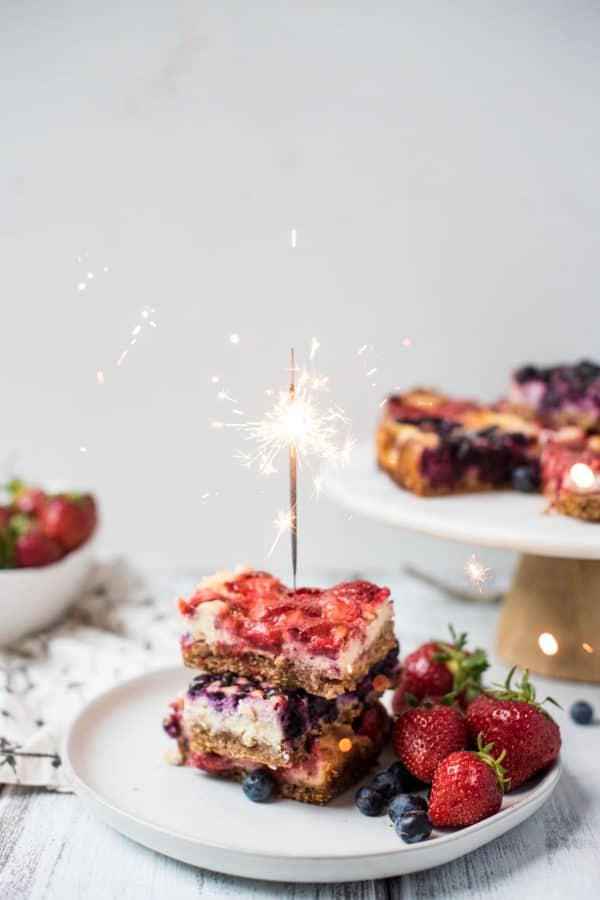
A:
x: 114, y: 753
x: 494, y: 519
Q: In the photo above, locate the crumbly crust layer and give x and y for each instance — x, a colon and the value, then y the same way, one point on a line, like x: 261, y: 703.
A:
x: 346, y: 770
x: 580, y: 507
x: 286, y: 673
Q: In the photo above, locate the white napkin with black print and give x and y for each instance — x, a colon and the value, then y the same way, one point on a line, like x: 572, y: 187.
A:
x: 120, y: 627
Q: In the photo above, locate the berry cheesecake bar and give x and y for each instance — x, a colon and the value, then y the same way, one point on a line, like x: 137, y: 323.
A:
x: 558, y: 395
x: 236, y: 716
x: 323, y: 641
x: 433, y: 445
x: 570, y: 469
x: 335, y: 760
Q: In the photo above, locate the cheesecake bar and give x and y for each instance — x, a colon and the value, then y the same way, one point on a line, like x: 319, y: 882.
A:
x: 433, y: 445
x: 323, y: 641
x: 336, y: 760
x: 559, y: 395
x: 236, y: 716
x: 570, y: 471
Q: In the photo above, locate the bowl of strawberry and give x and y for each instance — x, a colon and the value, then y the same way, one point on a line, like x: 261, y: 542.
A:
x: 45, y: 555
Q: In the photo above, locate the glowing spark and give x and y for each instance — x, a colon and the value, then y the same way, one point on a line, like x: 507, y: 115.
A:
x: 293, y: 238
x: 81, y: 286
x: 371, y: 372
x: 215, y: 379
x: 406, y: 342
x: 548, y: 643
x: 83, y: 449
x: 223, y: 395
x: 476, y: 571
x: 217, y: 424
x: 361, y: 350
x: 122, y: 358
x: 345, y: 745
x: 136, y: 330
x: 234, y: 338
x: 90, y: 276
x: 205, y: 496
x: 587, y: 647
x: 105, y: 268
x: 302, y: 423
x: 238, y: 412
x: 145, y: 313
x: 314, y: 346
x: 100, y: 376
x: 152, y: 323
x: 283, y: 524
x: 133, y: 342
x: 582, y: 476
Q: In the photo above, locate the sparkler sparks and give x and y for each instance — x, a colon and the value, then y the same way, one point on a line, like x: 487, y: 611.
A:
x: 293, y: 238
x: 314, y: 346
x: 476, y: 571
x: 100, y: 376
x: 284, y: 523
x: 136, y: 332
x: 234, y: 339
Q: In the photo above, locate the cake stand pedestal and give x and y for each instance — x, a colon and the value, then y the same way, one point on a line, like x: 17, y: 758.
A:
x: 550, y: 621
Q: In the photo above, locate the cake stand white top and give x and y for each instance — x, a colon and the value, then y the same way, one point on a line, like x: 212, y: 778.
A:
x: 496, y: 519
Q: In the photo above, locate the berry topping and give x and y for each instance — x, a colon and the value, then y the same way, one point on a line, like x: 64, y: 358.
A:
x: 402, y: 804
x: 370, y: 802
x: 413, y: 827
x: 582, y: 712
x: 259, y: 609
x: 258, y: 785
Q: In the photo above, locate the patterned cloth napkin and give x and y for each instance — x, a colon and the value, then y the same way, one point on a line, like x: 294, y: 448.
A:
x: 118, y: 628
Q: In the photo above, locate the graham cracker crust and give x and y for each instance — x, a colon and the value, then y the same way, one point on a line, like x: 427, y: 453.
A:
x: 284, y: 673
x: 346, y: 770
x: 579, y: 507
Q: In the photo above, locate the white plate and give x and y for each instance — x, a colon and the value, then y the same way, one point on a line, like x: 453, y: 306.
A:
x: 495, y: 519
x: 114, y: 753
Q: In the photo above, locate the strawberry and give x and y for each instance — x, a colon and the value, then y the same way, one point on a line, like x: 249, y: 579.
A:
x: 26, y: 499
x: 437, y: 668
x: 517, y: 725
x: 69, y: 519
x: 32, y: 547
x: 467, y: 787
x: 423, y: 736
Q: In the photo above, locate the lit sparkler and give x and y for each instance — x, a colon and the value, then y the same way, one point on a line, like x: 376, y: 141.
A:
x: 476, y: 571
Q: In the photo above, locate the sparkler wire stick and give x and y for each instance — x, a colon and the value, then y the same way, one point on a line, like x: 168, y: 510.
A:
x: 293, y: 483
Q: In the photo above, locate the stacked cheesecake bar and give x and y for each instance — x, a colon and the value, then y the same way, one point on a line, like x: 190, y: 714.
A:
x: 290, y: 681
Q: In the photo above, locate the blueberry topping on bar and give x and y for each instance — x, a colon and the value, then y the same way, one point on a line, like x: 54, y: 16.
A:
x: 258, y: 785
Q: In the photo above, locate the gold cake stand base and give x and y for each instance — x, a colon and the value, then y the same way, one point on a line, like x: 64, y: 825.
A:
x: 558, y: 599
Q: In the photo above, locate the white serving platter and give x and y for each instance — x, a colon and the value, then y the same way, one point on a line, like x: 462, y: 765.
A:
x: 496, y: 519
x: 114, y: 752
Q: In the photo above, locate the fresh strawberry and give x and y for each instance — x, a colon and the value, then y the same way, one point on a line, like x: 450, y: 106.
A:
x: 438, y: 668
x: 26, y: 499
x: 33, y: 548
x: 5, y: 514
x: 467, y: 787
x: 69, y: 519
x: 423, y: 736
x: 518, y: 725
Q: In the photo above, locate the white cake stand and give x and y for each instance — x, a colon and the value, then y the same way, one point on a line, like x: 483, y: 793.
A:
x: 556, y: 588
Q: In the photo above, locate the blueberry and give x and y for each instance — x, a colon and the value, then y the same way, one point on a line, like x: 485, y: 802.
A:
x: 369, y: 801
x: 582, y: 712
x: 526, y: 478
x: 410, y: 783
x: 413, y: 827
x: 387, y: 783
x: 258, y: 785
x: 405, y: 804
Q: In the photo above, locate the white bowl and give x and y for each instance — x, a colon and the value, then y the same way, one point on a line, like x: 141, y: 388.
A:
x: 32, y: 599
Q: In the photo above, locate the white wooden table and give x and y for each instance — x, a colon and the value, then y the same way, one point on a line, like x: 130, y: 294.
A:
x: 50, y: 847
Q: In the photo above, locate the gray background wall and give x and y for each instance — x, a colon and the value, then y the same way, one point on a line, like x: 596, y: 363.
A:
x: 438, y: 160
